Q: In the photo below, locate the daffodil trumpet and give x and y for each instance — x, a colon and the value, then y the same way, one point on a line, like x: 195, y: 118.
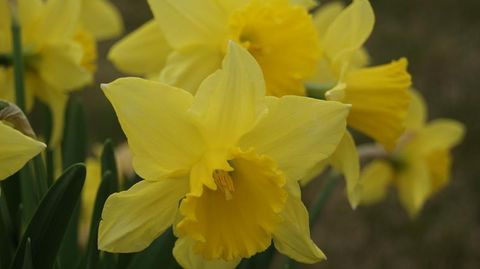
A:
x: 222, y: 167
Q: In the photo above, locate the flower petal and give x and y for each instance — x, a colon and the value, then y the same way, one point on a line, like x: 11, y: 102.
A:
x: 325, y: 15
x: 229, y: 102
x: 187, y: 258
x: 188, y: 22
x: 154, y: 118
x: 380, y: 99
x: 417, y: 112
x: 188, y: 67
x: 345, y: 159
x: 56, y: 100
x: 414, y: 186
x: 59, y: 21
x: 440, y: 134
x: 298, y: 132
x: 16, y: 149
x: 292, y: 235
x: 375, y: 179
x: 132, y: 219
x: 60, y: 66
x: 142, y: 52
x: 349, y: 31
x: 101, y: 18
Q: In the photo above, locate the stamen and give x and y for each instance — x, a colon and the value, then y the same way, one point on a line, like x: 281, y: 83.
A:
x: 224, y: 183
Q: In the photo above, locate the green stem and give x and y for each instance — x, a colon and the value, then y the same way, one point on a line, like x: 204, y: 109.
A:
x: 18, y: 65
x: 317, y: 206
x: 322, y: 198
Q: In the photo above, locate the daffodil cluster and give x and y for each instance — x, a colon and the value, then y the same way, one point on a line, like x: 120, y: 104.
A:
x: 240, y: 104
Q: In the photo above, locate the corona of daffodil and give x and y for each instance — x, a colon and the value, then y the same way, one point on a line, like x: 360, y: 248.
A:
x: 16, y: 149
x: 58, y: 54
x: 420, y: 164
x: 221, y: 167
x: 378, y: 95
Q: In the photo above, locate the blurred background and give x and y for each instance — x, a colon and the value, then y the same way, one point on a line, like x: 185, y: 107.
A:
x: 441, y: 39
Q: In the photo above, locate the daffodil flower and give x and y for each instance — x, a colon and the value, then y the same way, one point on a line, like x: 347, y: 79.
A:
x: 221, y: 167
x: 16, y: 149
x: 378, y: 95
x: 57, y: 54
x: 420, y: 164
x: 101, y: 18
x: 187, y: 41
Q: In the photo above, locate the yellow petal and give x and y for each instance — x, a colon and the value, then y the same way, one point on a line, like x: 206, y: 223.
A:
x: 325, y: 15
x: 414, y: 186
x: 28, y: 12
x: 60, y: 65
x: 292, y: 235
x: 345, y: 159
x: 101, y: 18
x: 308, y: 4
x: 56, y: 100
x: 417, y: 112
x: 348, y: 31
x: 132, y: 219
x: 16, y: 150
x: 380, y: 99
x: 298, y: 132
x: 230, y: 101
x: 440, y: 134
x: 142, y: 52
x: 59, y: 20
x: 188, y: 67
x: 188, y: 22
x: 439, y: 163
x: 185, y: 255
x: 154, y: 118
x: 316, y: 171
x: 237, y: 219
x: 376, y: 177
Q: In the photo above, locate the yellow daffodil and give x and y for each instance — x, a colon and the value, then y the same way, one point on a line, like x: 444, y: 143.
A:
x: 420, y: 164
x: 101, y: 18
x: 187, y: 41
x: 378, y: 95
x: 221, y: 167
x: 16, y: 149
x: 58, y: 54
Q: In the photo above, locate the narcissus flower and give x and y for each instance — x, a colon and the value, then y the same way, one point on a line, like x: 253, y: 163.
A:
x: 16, y: 149
x: 221, y: 167
x: 378, y: 95
x: 187, y: 41
x: 420, y: 164
x: 58, y: 54
x: 101, y: 18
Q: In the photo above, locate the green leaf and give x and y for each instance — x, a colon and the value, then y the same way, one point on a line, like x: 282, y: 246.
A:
x: 109, y: 163
x: 7, y: 233
x: 48, y: 225
x: 158, y: 254
x: 27, y: 259
x: 92, y: 255
x: 74, y: 150
x: 74, y: 145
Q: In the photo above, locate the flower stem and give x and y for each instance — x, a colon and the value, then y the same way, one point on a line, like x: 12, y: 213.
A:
x: 323, y: 196
x: 18, y: 65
